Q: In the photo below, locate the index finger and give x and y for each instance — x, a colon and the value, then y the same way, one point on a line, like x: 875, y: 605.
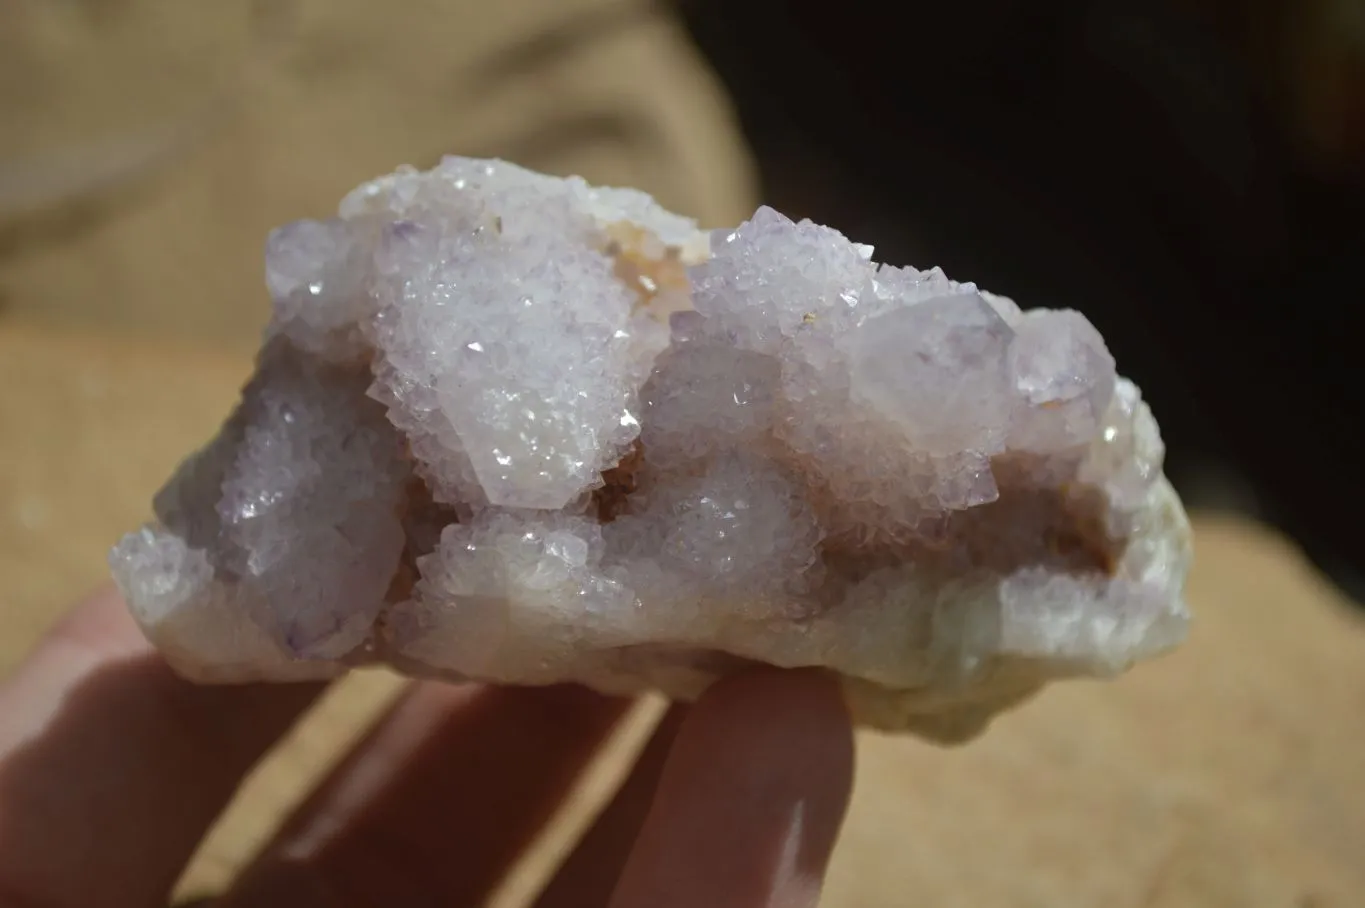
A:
x: 112, y: 767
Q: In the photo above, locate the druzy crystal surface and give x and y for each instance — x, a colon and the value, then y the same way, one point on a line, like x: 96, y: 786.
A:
x: 518, y: 429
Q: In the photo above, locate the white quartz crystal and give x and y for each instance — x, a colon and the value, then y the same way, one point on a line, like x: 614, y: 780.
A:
x: 518, y: 429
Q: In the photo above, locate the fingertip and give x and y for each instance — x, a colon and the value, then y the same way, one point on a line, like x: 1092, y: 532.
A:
x: 794, y: 702
x: 795, y: 724
x: 752, y: 798
x: 590, y: 873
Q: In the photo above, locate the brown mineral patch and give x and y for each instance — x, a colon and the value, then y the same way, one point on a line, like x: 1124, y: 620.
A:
x: 422, y: 519
x: 404, y: 580
x: 1059, y: 529
x: 644, y: 264
x: 1062, y: 529
x: 610, y: 501
x: 1086, y: 539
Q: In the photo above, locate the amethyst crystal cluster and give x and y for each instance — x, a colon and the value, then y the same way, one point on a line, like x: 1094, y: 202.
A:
x: 519, y: 429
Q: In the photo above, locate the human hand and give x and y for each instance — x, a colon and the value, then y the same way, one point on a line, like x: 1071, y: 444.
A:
x: 112, y: 768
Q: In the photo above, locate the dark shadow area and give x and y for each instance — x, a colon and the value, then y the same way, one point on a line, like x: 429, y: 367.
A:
x: 124, y: 778
x: 1143, y: 161
x: 136, y: 762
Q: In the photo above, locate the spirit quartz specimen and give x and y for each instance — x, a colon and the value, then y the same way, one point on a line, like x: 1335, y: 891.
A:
x: 518, y: 429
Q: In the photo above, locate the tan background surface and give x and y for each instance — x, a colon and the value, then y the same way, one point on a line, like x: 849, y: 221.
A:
x: 1231, y: 774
